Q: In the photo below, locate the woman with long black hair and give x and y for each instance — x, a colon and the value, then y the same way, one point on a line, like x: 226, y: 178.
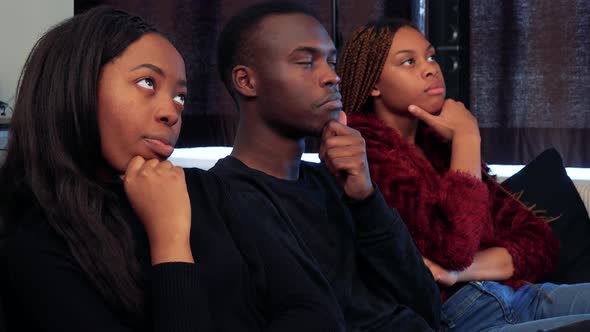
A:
x: 99, y: 231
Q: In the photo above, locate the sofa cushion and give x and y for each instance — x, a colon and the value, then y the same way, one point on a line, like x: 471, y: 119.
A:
x: 545, y: 183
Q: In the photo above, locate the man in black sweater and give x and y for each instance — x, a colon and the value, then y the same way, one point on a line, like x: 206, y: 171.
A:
x: 277, y: 62
x: 237, y: 283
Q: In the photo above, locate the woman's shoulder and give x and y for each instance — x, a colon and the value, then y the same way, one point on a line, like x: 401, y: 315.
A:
x: 32, y: 253
x: 31, y: 237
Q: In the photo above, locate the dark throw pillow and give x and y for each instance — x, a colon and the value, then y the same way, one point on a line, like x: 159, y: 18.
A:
x: 545, y: 183
x: 581, y: 326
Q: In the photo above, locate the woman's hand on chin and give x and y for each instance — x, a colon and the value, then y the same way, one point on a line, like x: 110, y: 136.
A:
x: 453, y: 120
x: 158, y: 194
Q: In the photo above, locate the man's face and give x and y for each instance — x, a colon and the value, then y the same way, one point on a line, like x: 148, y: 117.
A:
x: 297, y: 87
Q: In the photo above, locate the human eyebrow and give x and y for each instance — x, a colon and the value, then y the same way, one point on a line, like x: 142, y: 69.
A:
x: 154, y: 68
x: 405, y: 52
x: 307, y: 49
x: 160, y: 72
x: 313, y: 51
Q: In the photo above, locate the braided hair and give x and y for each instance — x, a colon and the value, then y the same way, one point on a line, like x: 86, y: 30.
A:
x: 362, y: 60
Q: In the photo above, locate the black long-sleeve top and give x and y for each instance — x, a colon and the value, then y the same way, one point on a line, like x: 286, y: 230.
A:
x: 243, y: 279
x: 362, y: 248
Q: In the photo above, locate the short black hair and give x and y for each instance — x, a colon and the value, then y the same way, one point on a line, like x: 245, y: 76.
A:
x: 235, y: 42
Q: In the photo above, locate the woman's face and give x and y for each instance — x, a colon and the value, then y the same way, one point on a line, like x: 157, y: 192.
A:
x: 141, y: 95
x: 410, y: 76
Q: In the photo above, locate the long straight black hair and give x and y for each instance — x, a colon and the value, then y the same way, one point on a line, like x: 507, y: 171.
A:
x: 54, y: 153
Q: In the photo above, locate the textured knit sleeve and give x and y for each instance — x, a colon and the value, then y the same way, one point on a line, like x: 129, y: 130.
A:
x: 45, y: 289
x: 390, y: 253
x: 445, y: 214
x: 527, y: 237
x: 179, y: 298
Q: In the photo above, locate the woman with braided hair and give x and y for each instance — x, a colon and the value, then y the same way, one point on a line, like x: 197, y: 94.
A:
x: 484, y: 248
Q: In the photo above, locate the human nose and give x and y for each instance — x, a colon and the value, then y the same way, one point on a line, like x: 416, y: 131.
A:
x: 431, y: 69
x: 329, y: 77
x: 168, y: 113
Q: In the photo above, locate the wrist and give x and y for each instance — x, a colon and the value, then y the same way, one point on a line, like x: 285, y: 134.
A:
x: 171, y: 250
x: 467, y: 136
x: 362, y: 193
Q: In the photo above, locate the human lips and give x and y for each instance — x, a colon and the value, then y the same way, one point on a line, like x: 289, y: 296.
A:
x: 435, y: 88
x: 160, y: 146
x: 332, y: 101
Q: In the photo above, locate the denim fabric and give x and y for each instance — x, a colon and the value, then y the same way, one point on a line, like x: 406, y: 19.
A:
x: 493, y: 307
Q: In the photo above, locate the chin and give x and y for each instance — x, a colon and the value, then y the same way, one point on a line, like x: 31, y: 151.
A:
x: 434, y: 108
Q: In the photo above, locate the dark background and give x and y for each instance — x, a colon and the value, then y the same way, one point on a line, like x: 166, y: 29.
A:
x: 521, y: 66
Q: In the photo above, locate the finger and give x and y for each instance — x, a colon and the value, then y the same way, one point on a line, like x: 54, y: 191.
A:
x: 179, y: 171
x: 421, y: 114
x: 322, y: 151
x: 151, y: 164
x: 134, y: 165
x: 434, y: 271
x: 353, y: 165
x: 334, y: 128
x: 164, y: 166
x: 344, y: 151
x: 347, y: 136
x: 353, y: 146
x: 342, y: 118
x: 329, y: 130
x: 329, y: 166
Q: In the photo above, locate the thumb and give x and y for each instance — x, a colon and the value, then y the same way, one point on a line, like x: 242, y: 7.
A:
x: 342, y: 118
x: 421, y: 114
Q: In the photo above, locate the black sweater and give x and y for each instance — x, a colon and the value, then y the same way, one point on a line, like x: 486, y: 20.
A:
x: 239, y: 281
x: 362, y: 247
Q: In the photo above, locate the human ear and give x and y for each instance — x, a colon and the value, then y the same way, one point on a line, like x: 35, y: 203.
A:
x: 375, y: 92
x: 244, y: 81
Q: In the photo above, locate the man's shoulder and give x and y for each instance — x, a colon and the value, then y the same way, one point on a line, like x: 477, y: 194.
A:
x: 202, y: 183
x: 231, y: 166
x: 318, y: 172
x: 238, y: 177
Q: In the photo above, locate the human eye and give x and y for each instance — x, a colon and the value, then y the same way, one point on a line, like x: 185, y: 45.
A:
x: 305, y: 63
x: 432, y: 58
x: 147, y: 83
x: 408, y: 62
x: 180, y: 99
x: 332, y: 63
x: 304, y: 59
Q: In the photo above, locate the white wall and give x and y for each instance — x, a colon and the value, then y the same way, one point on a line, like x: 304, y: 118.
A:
x: 22, y: 22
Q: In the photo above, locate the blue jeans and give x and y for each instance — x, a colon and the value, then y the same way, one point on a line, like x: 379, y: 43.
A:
x: 493, y: 307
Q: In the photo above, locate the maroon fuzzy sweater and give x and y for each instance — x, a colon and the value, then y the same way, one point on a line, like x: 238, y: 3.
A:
x: 450, y: 214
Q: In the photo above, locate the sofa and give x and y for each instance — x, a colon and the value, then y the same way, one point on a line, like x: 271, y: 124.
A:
x: 206, y: 157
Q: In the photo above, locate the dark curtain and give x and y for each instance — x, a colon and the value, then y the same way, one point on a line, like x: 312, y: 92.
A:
x: 354, y: 13
x: 210, y: 117
x: 530, y: 78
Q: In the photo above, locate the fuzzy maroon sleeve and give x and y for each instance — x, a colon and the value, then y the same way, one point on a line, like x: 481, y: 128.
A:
x: 445, y: 214
x: 528, y: 238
